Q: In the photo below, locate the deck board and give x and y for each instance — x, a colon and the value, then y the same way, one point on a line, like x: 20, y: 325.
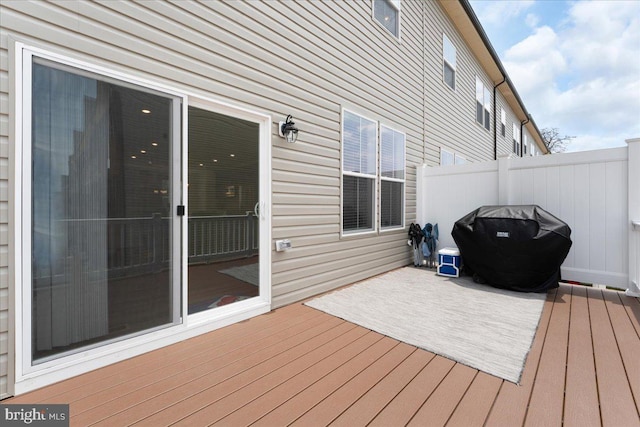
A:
x: 266, y: 403
x: 238, y: 399
x: 617, y: 406
x: 413, y: 396
x: 581, y: 402
x: 628, y: 344
x: 186, y: 382
x: 510, y: 406
x: 196, y: 395
x: 443, y: 401
x: 297, y: 365
x: 547, y: 397
x: 378, y: 397
x: 329, y: 408
x: 474, y: 407
x: 301, y: 403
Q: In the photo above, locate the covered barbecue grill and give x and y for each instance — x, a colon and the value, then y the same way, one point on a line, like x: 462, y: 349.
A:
x: 513, y: 247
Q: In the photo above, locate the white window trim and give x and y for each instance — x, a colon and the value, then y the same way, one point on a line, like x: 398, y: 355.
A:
x: 374, y: 177
x: 516, y: 140
x: 444, y: 61
x: 503, y: 122
x: 444, y: 151
x: 397, y: 5
x: 485, y: 90
x: 25, y: 377
x: 403, y: 180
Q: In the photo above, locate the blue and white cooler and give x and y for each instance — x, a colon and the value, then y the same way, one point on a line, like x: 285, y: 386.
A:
x: 449, y: 262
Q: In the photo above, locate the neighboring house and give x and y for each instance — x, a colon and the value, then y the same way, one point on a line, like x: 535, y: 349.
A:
x: 145, y: 188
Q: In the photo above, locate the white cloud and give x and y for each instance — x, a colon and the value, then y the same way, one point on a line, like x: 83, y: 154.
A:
x: 583, y: 77
x: 534, y: 63
x: 499, y: 13
x: 532, y: 20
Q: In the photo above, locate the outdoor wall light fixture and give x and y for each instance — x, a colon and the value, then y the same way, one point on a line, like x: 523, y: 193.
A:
x: 288, y: 129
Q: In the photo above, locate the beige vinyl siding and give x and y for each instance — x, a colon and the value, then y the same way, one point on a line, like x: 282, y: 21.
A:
x: 308, y: 59
x: 4, y: 219
x: 505, y: 143
x: 450, y: 115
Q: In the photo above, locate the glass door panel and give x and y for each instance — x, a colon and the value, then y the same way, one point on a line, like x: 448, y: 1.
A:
x: 102, y: 215
x: 223, y: 229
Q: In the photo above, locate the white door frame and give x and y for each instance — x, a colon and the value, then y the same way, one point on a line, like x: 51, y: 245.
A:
x: 23, y: 376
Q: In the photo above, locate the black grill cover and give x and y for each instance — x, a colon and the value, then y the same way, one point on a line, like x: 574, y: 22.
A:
x: 513, y: 247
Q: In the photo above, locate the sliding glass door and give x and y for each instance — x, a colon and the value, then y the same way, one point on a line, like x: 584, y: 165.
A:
x: 223, y: 222
x: 108, y: 251
x: 104, y: 261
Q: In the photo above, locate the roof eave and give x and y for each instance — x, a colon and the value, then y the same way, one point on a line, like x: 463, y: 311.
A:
x: 466, y: 22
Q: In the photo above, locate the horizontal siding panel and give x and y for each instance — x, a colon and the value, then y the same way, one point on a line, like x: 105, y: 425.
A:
x: 294, y: 231
x: 312, y: 269
x: 281, y: 209
x: 229, y: 50
x: 299, y: 178
x: 292, y: 166
x: 305, y: 199
x: 4, y: 277
x: 304, y: 220
x: 312, y: 256
x: 297, y: 188
x: 4, y: 342
x: 331, y: 158
x: 332, y: 279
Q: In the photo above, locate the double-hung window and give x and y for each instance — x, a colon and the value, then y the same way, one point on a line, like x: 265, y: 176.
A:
x: 387, y: 13
x: 503, y: 122
x: 483, y: 104
x: 448, y: 62
x: 359, y: 145
x: 392, y: 177
x: 516, y: 139
x: 362, y: 144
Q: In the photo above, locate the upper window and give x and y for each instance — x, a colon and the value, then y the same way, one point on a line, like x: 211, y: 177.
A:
x: 516, y: 139
x: 392, y: 177
x: 451, y: 158
x: 387, y: 12
x: 446, y: 157
x: 359, y: 148
x: 503, y: 122
x: 449, y: 62
x: 483, y: 104
x: 524, y: 144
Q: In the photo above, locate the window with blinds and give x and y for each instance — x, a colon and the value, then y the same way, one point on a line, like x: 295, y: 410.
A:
x: 392, y: 177
x: 359, y: 147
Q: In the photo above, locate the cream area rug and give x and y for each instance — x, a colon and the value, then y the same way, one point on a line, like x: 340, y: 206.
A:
x: 247, y: 273
x: 482, y: 327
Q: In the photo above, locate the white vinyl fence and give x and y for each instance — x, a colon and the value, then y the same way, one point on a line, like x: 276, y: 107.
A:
x: 597, y: 193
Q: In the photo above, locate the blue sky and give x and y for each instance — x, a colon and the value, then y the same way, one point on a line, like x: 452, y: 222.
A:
x: 575, y: 64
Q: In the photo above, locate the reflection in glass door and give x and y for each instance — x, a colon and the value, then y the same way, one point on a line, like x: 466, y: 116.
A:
x: 223, y: 227
x: 102, y: 217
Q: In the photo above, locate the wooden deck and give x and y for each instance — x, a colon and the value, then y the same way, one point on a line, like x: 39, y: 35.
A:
x: 298, y: 366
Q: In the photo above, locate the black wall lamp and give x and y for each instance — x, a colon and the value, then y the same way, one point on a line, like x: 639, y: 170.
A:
x: 288, y: 129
